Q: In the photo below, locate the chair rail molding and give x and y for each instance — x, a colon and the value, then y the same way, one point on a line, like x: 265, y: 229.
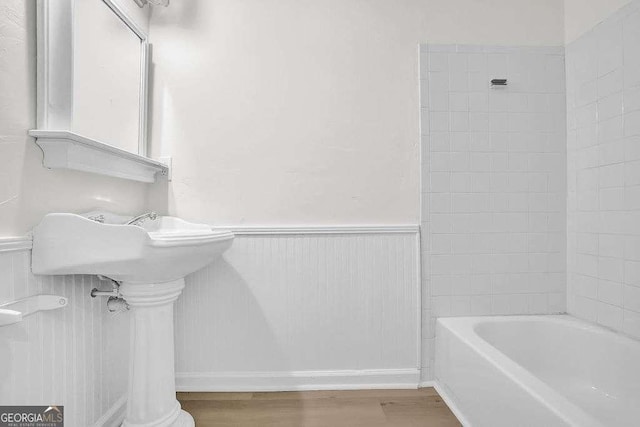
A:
x: 15, y: 244
x: 253, y: 230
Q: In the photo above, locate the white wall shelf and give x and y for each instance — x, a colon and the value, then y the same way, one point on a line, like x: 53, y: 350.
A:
x: 63, y: 148
x: 67, y: 150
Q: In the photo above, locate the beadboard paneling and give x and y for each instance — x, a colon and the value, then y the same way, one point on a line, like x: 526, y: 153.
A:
x: 302, y: 311
x: 76, y: 356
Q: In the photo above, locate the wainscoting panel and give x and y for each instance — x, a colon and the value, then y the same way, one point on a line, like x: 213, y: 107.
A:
x: 303, y: 309
x: 76, y: 356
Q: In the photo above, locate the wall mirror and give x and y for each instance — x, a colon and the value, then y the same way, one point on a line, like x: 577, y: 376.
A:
x: 92, y: 89
x: 109, y: 76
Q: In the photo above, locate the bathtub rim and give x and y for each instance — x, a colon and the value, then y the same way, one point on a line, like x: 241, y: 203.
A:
x: 463, y: 328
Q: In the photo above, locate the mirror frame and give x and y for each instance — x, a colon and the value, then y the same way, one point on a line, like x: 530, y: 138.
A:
x: 55, y: 66
x: 61, y: 146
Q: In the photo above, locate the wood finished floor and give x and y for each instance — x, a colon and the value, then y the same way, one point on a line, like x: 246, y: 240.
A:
x: 363, y: 408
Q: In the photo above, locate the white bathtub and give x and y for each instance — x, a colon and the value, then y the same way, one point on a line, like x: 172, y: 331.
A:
x: 537, y: 371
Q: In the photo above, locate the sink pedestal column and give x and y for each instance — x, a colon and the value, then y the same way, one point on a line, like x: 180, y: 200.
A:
x: 152, y: 385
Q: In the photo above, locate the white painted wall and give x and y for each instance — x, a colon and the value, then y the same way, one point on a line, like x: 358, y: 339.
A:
x: 350, y: 153
x: 582, y: 15
x: 488, y: 22
x: 306, y: 112
x: 27, y: 190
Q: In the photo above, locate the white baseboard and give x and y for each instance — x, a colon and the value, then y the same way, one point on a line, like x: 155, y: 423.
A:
x: 114, y: 416
x: 299, y: 380
x: 451, y: 404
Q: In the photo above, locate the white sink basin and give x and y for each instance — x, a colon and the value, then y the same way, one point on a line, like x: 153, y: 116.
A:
x: 150, y: 262
x: 160, y: 250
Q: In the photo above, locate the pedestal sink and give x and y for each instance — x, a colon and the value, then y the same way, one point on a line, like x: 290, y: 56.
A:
x: 150, y: 262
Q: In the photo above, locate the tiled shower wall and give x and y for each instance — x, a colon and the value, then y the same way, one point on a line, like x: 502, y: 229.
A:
x: 494, y: 183
x: 603, y: 105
